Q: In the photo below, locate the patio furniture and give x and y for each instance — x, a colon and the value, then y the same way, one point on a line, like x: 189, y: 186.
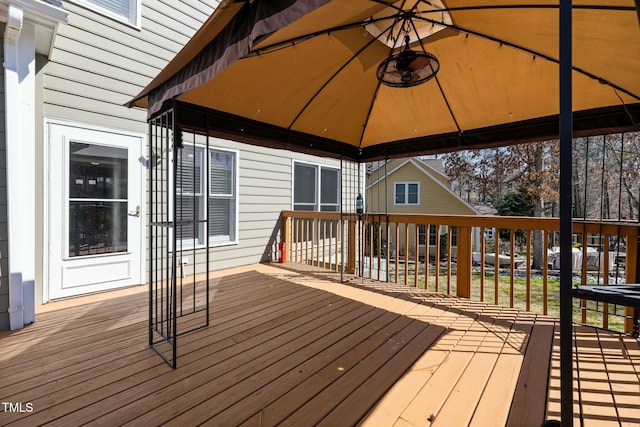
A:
x: 627, y: 295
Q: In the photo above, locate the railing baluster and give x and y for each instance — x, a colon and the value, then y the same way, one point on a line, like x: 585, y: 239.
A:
x: 324, y: 242
x: 482, y: 237
x: 362, y: 247
x: 449, y: 251
x: 308, y: 241
x: 379, y: 241
x: 338, y: 240
x: 605, y: 280
x: 397, y: 250
x: 416, y: 264
x: 496, y: 266
x: 437, y: 257
x: 314, y: 242
x: 406, y: 253
x: 512, y: 237
x: 545, y: 273
x: 583, y: 302
x: 528, y: 296
x: 299, y: 240
x: 427, y: 255
x: 340, y: 251
x: 371, y: 249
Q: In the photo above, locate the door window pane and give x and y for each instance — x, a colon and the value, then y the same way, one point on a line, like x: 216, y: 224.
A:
x: 97, y: 172
x: 97, y: 227
x: 97, y: 199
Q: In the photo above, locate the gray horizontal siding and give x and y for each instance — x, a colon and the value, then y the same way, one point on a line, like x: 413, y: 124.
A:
x: 265, y: 178
x: 98, y: 64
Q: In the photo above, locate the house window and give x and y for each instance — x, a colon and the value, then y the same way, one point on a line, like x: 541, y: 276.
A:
x: 433, y: 235
x: 206, y: 183
x: 421, y: 235
x: 315, y: 188
x: 124, y: 10
x: 488, y: 233
x: 407, y: 193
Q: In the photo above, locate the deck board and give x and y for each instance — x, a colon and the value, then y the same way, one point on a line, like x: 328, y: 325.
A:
x: 296, y: 347
x: 529, y: 399
x: 449, y: 380
x: 228, y: 366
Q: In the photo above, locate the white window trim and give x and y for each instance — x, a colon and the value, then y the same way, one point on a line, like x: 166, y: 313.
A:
x: 438, y: 232
x: 216, y: 241
x: 319, y: 166
x: 406, y: 194
x: 107, y: 13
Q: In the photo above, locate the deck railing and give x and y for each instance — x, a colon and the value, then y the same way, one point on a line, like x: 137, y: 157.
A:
x: 509, y: 261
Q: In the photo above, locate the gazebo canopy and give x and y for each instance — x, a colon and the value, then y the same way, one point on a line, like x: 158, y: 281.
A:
x: 302, y: 75
x: 371, y: 79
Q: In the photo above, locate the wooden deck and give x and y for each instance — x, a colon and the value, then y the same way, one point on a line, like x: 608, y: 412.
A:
x: 297, y: 348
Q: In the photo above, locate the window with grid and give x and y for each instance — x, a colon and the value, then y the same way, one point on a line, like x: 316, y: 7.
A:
x: 206, y: 184
x: 407, y: 193
x: 315, y: 188
x: 433, y: 235
x: 422, y: 235
x: 125, y: 10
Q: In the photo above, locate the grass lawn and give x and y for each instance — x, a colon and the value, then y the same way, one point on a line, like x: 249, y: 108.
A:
x: 594, y: 309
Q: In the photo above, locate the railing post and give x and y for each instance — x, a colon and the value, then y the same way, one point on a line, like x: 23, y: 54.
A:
x: 631, y: 276
x: 286, y: 238
x: 351, y: 246
x: 463, y: 262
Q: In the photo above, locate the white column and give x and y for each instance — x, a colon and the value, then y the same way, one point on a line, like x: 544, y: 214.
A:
x: 19, y: 74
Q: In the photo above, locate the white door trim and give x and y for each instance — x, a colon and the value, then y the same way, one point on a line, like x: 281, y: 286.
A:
x: 48, y: 122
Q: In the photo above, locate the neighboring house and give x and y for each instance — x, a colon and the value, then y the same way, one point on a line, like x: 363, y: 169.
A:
x: 414, y: 186
x: 72, y: 197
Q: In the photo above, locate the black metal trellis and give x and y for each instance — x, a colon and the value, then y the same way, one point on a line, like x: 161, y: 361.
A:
x: 178, y: 269
x: 350, y: 188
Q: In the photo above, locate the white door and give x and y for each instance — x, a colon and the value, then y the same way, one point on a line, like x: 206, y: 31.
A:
x: 95, y: 220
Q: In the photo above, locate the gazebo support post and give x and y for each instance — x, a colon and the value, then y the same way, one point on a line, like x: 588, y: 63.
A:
x: 566, y: 148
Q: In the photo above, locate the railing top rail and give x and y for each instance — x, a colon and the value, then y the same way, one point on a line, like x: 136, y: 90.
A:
x: 630, y: 228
